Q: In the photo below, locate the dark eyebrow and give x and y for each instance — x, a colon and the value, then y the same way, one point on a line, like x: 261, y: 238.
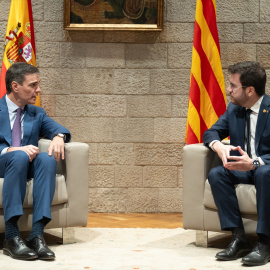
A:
x: 34, y: 83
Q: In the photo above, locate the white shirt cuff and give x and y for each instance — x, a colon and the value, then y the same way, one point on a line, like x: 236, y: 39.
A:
x: 211, y: 144
x: 4, y: 151
x: 261, y: 161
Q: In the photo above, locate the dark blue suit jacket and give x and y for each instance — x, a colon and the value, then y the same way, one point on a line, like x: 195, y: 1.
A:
x: 36, y: 124
x: 232, y: 123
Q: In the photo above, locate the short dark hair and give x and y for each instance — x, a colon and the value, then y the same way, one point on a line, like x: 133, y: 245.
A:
x: 251, y: 74
x: 17, y: 73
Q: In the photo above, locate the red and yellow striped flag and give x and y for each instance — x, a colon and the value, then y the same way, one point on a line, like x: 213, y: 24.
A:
x: 20, y: 40
x: 207, y: 97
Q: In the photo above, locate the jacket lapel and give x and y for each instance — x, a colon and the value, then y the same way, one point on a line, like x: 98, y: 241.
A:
x: 262, y: 119
x: 5, y: 128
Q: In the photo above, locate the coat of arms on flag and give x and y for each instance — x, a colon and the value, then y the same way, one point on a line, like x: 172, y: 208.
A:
x: 18, y: 47
x: 19, y: 39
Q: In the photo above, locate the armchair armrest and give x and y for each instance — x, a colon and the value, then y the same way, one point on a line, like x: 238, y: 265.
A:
x: 75, y: 170
x: 197, y: 162
x: 77, y: 183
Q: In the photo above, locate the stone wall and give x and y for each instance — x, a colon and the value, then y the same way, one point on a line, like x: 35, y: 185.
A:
x: 126, y: 94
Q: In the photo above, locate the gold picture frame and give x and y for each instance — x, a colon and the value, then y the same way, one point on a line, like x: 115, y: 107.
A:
x: 132, y: 15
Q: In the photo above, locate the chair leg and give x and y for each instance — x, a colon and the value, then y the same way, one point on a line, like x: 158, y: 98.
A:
x: 68, y: 235
x: 202, y: 238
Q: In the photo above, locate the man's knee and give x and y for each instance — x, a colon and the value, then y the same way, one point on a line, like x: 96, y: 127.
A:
x: 262, y: 175
x: 262, y: 170
x: 18, y: 158
x: 43, y: 160
x: 44, y: 157
x: 15, y: 163
x: 214, y: 175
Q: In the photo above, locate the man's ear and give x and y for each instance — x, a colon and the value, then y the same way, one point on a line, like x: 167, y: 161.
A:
x: 250, y: 91
x: 14, y: 86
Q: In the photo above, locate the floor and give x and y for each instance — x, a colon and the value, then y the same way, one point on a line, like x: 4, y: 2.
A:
x: 135, y: 220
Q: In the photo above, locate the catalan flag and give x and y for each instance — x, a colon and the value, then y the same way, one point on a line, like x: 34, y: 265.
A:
x: 207, y: 98
x: 19, y: 43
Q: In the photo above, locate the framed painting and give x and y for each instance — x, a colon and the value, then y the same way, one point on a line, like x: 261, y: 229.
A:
x: 141, y: 15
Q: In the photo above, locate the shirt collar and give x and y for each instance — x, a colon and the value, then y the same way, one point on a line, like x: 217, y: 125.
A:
x: 11, y: 105
x: 256, y: 107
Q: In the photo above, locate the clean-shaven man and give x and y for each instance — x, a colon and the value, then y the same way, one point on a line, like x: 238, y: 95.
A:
x: 22, y: 124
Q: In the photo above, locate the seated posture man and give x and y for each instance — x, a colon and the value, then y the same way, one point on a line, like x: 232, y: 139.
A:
x: 22, y: 124
x: 247, y: 122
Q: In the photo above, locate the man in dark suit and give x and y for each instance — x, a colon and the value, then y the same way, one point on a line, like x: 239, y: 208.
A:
x: 22, y: 124
x: 246, y: 160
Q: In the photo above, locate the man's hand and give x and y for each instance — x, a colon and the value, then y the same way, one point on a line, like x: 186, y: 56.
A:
x: 223, y: 151
x: 30, y: 150
x: 57, y: 146
x: 240, y: 163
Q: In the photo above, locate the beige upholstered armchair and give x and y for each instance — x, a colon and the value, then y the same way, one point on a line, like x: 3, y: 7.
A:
x: 70, y: 202
x: 199, y: 209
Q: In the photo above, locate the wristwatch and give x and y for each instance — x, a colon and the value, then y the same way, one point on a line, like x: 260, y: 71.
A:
x: 61, y: 135
x: 256, y: 163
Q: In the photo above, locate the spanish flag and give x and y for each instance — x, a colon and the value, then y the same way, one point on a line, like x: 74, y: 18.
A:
x: 207, y: 97
x: 19, y: 43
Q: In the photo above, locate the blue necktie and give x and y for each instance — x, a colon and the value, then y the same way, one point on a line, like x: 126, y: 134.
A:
x: 16, y: 131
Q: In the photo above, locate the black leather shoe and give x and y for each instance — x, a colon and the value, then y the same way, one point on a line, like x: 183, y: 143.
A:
x: 259, y: 255
x: 235, y: 250
x: 17, y: 249
x: 38, y: 244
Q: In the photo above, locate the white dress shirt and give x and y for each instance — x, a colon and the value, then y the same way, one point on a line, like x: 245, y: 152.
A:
x: 12, y: 107
x: 253, y: 123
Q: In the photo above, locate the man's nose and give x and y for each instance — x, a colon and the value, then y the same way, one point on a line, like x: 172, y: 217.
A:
x: 38, y: 89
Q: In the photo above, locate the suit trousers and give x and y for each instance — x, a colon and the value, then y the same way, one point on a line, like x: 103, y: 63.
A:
x: 15, y: 168
x: 223, y: 181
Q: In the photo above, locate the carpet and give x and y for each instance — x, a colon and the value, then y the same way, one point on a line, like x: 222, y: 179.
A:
x: 129, y: 249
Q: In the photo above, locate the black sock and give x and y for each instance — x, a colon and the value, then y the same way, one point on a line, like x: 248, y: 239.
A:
x: 264, y: 238
x: 239, y: 233
x: 38, y: 228
x: 11, y: 228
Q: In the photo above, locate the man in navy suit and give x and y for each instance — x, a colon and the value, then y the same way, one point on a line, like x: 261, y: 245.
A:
x: 20, y: 160
x: 246, y: 161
